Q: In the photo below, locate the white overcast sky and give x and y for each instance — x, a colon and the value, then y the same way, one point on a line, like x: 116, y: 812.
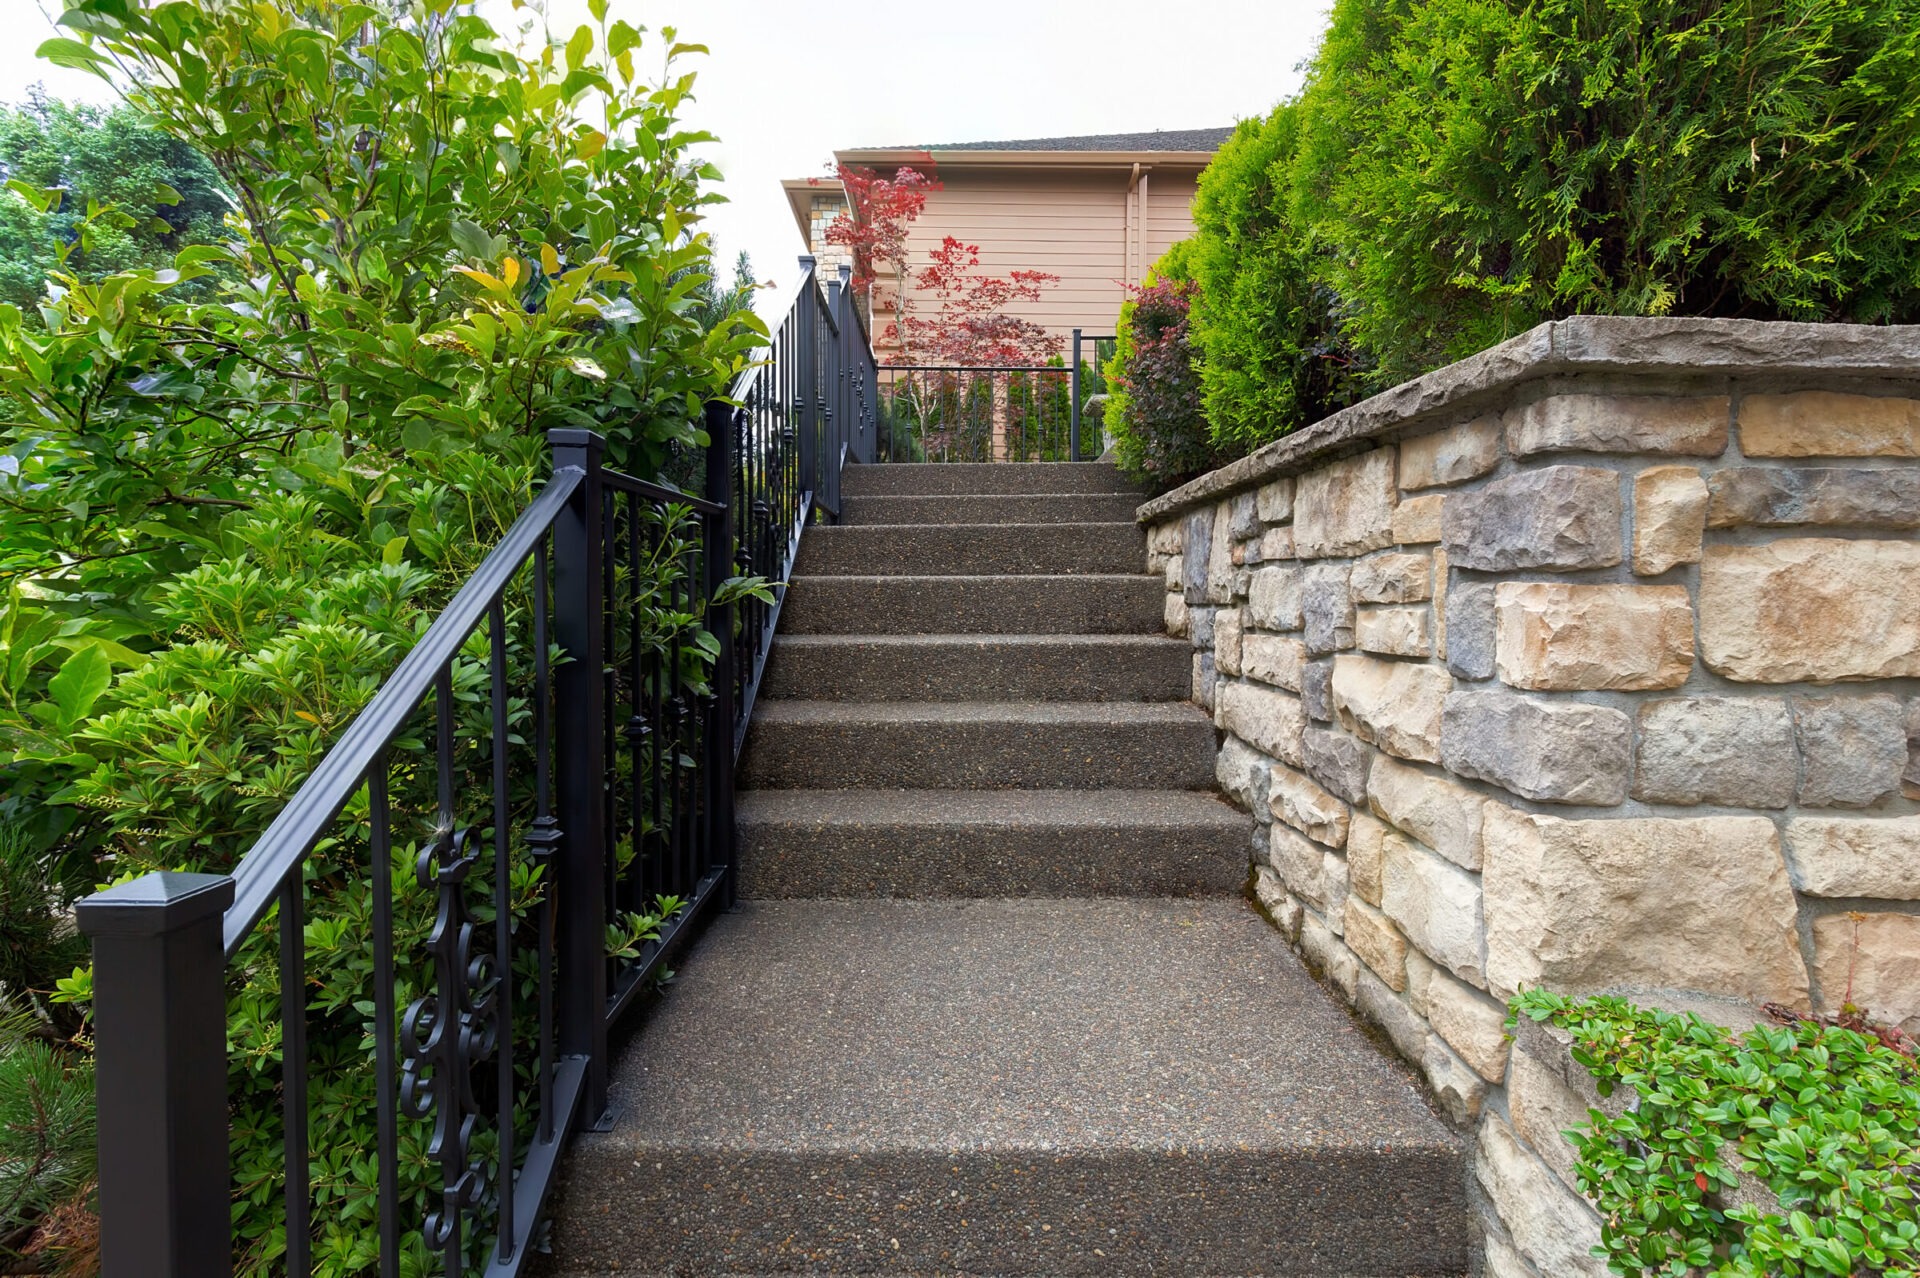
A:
x: 789, y: 81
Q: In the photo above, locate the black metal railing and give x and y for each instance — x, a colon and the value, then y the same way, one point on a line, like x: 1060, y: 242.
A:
x: 539, y: 803
x: 990, y: 412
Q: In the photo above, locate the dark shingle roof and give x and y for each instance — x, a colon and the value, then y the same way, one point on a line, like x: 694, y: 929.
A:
x: 1158, y: 140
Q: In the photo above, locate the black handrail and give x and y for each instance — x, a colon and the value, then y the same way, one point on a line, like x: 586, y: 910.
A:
x: 628, y: 800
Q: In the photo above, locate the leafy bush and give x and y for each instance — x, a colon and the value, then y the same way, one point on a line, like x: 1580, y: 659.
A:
x: 1153, y: 414
x: 1456, y: 171
x: 223, y: 522
x: 1826, y: 1118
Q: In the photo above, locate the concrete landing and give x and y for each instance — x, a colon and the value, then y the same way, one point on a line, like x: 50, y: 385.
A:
x: 1010, y: 1086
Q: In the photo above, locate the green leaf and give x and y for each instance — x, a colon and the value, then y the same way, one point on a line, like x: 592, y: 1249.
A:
x: 165, y: 194
x: 394, y: 551
x: 417, y: 435
x: 72, y: 54
x: 579, y: 47
x: 80, y: 681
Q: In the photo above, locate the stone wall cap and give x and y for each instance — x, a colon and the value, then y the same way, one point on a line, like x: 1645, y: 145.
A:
x: 1582, y: 344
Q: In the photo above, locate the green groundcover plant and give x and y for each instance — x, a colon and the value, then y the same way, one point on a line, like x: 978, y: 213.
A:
x: 1457, y: 171
x: 238, y: 485
x: 1789, y: 1149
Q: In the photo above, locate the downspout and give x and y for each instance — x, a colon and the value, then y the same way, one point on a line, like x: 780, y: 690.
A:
x: 1134, y: 218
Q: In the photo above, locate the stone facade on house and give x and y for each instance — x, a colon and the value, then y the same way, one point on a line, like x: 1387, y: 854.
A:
x: 1591, y: 662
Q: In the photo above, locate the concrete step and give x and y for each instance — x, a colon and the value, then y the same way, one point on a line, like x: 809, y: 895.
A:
x: 1090, y: 604
x: 963, y: 550
x: 1035, y: 508
x: 979, y: 668
x: 924, y: 479
x: 978, y: 745
x: 934, y: 843
x: 1009, y: 1087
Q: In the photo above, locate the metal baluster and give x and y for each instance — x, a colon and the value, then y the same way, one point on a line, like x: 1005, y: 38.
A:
x: 502, y: 924
x: 638, y: 894
x: 607, y: 789
x: 387, y: 1121
x: 293, y: 1073
x: 543, y: 836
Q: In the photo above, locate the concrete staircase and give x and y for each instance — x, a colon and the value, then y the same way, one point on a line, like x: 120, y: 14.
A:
x: 994, y: 1003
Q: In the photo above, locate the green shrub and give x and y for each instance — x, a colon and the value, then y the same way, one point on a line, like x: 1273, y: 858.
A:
x: 1153, y: 413
x: 1262, y: 320
x: 1457, y: 171
x: 1827, y: 1118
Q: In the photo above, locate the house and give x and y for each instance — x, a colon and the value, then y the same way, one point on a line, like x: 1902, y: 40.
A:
x: 1094, y: 211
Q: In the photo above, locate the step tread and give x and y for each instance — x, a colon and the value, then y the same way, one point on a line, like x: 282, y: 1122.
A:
x: 1076, y: 713
x: 983, y: 479
x: 987, y: 640
x: 1017, y: 1026
x: 1046, y: 809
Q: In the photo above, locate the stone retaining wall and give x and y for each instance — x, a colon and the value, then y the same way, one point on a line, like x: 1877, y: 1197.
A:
x: 1592, y: 662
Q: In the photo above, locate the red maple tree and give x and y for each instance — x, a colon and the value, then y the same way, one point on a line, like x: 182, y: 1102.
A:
x: 874, y: 227
x: 971, y: 325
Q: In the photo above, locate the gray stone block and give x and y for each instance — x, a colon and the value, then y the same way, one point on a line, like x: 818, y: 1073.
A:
x: 1733, y: 750
x: 1912, y: 775
x: 1781, y: 497
x: 1337, y: 761
x: 1327, y: 607
x: 1201, y: 622
x: 1196, y: 549
x: 1316, y: 690
x: 1854, y: 749
x: 1245, y: 515
x: 1470, y: 629
x: 1557, y: 517
x: 1550, y: 751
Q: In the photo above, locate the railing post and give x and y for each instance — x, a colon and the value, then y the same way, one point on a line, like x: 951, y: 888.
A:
x: 1073, y: 415
x: 806, y: 381
x: 721, y: 421
x: 580, y: 767
x: 160, y: 1075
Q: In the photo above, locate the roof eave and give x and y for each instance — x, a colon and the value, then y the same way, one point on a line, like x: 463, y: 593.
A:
x: 1026, y: 159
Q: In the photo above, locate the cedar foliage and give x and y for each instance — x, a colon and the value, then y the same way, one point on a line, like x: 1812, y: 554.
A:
x: 1457, y: 171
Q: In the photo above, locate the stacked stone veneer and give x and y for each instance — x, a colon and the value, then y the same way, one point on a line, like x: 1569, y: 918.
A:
x: 1593, y: 663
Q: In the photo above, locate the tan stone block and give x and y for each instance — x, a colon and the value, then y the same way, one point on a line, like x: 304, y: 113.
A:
x: 1474, y: 1025
x: 1395, y: 705
x: 1459, y: 1091
x: 1274, y: 599
x: 1420, y: 970
x: 1553, y: 1227
x: 1378, y: 943
x: 1275, y: 502
x: 1440, y: 602
x: 1277, y: 543
x: 1811, y: 608
x: 1164, y: 539
x: 1873, y: 961
x: 1178, y: 623
x: 1242, y: 774
x: 1556, y: 637
x: 1264, y: 718
x: 1439, y: 812
x: 1542, y: 1107
x: 1274, y: 659
x: 1669, y: 518
x: 1699, y: 903
x: 1300, y: 863
x: 1450, y: 456
x: 1220, y: 561
x: 1273, y: 897
x: 1325, y: 951
x: 1400, y: 577
x: 1394, y: 632
x: 1299, y: 800
x: 1333, y: 873
x: 1856, y: 856
x: 1227, y: 628
x: 1435, y: 904
x: 1502, y: 1260
x: 1345, y: 507
x: 1416, y: 520
x: 1365, y: 834
x: 1693, y: 426
x: 1173, y: 569
x: 1829, y: 424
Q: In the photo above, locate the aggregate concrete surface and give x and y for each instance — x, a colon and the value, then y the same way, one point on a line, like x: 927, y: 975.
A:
x: 1010, y: 1086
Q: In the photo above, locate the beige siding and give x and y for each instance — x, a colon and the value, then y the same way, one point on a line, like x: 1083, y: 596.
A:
x: 1083, y: 227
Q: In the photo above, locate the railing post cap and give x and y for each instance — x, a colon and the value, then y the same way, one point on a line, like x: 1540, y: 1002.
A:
x: 164, y: 901
x: 845, y: 273
x: 575, y: 437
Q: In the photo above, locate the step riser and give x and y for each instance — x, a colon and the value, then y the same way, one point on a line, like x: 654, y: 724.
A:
x: 795, y: 860
x: 1316, y: 1213
x: 1068, y: 605
x: 1052, y: 508
x: 928, y: 479
x: 971, y: 549
x: 920, y: 755
x: 983, y: 670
